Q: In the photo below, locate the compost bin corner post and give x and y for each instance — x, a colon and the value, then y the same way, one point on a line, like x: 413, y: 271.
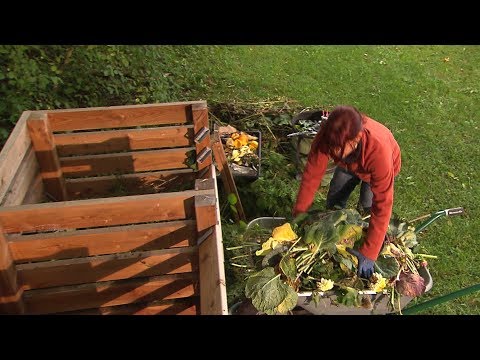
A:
x: 11, y: 295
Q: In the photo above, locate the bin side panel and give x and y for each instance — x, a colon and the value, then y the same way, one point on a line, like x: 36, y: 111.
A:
x: 99, y: 212
x: 123, y: 163
x: 100, y: 142
x: 119, y: 117
x: 107, y: 267
x: 131, y: 184
x: 110, y: 293
x: 103, y: 241
x: 13, y: 153
x: 187, y: 306
x: 25, y: 179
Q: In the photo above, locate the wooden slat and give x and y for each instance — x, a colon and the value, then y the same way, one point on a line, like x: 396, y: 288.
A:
x: 200, y: 120
x: 10, y: 292
x: 27, y: 171
x: 131, y: 184
x: 128, y: 162
x: 115, y: 239
x: 226, y: 175
x: 100, y: 142
x: 13, y: 152
x: 99, y: 212
x: 43, y: 143
x: 213, y: 290
x: 188, y: 306
x: 205, y: 212
x: 120, y: 116
x: 36, y: 192
x: 110, y: 293
x: 107, y: 267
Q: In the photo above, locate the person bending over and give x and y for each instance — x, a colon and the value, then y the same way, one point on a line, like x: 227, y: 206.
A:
x: 365, y: 152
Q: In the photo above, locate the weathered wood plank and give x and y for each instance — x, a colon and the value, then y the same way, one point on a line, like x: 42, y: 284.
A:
x: 128, y: 162
x: 213, y: 290
x: 131, y: 184
x: 187, y: 306
x: 103, y: 241
x: 200, y: 121
x: 226, y: 175
x: 100, y: 142
x: 120, y: 116
x: 26, y: 174
x: 110, y: 293
x: 99, y: 212
x: 44, y: 145
x: 10, y: 292
x: 13, y: 152
x: 107, y: 267
x: 205, y: 212
x: 36, y: 192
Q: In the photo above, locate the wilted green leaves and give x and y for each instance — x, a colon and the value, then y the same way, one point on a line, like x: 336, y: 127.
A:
x: 269, y: 293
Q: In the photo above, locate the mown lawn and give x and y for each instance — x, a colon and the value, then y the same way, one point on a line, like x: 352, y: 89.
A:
x: 427, y: 95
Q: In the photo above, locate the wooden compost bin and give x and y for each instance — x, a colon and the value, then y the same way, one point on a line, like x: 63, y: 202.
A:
x: 111, y: 210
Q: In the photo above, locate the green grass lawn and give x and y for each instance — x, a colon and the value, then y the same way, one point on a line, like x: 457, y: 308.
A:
x: 427, y: 95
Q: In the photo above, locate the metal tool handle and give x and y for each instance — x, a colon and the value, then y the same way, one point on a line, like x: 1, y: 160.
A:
x: 437, y: 215
x: 455, y: 211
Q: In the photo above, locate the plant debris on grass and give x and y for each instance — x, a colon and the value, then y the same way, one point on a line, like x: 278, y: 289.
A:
x: 242, y: 152
x: 309, y: 254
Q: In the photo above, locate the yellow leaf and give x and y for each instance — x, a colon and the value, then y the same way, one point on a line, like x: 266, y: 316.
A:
x: 267, y: 246
x: 253, y: 145
x: 283, y: 307
x: 342, y: 250
x: 379, y: 282
x: 325, y: 284
x: 237, y: 144
x: 344, y: 268
x: 243, y: 138
x: 284, y: 233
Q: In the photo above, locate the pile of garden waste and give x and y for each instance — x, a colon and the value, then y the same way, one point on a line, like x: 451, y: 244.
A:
x: 309, y: 254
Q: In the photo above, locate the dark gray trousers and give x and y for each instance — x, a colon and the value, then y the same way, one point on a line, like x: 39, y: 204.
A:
x: 342, y: 185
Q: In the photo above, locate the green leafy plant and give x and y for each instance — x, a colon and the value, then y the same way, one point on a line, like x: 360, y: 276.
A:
x: 317, y: 261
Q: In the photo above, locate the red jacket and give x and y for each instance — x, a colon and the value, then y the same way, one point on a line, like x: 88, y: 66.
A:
x: 378, y: 164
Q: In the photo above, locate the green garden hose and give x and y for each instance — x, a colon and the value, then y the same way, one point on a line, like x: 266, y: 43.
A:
x: 441, y: 299
x: 437, y: 215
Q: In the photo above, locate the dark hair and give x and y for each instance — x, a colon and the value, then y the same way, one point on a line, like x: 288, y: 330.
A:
x: 342, y: 125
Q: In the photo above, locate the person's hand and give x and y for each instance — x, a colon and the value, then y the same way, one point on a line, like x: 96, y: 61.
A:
x: 365, y: 265
x: 298, y: 217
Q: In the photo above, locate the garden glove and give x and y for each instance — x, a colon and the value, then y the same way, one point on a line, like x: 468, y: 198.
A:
x: 365, y: 265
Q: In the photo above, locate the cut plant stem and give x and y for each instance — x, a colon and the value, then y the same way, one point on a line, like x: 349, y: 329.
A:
x: 298, y: 249
x: 274, y: 278
x: 399, y: 305
x: 420, y: 218
x: 240, y: 256
x: 242, y: 246
x: 427, y: 256
x: 238, y: 265
x: 295, y: 243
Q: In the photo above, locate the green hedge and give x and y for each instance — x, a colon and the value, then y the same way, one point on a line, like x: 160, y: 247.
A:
x: 55, y: 77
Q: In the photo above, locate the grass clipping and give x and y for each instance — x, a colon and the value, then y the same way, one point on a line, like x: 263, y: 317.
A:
x: 310, y: 255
